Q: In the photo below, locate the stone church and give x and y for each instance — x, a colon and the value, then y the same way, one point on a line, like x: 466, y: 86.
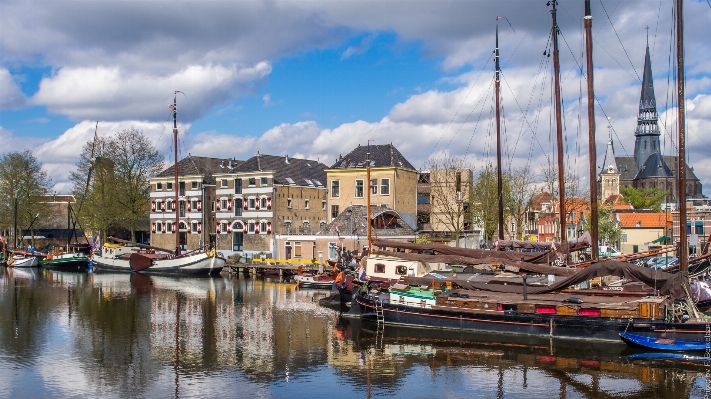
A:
x: 648, y: 168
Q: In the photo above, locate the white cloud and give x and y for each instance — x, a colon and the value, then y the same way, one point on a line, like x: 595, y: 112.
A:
x: 11, y: 96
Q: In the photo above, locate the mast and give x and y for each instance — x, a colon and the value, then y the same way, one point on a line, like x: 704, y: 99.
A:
x: 592, y: 152
x: 367, y: 207
x: 175, y: 170
x: 499, y: 180
x: 683, y: 249
x: 559, y: 129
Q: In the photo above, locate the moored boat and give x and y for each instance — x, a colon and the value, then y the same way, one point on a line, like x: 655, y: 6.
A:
x: 663, y: 344
x: 23, y: 261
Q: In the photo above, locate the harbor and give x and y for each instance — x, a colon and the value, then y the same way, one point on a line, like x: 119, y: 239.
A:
x: 131, y: 335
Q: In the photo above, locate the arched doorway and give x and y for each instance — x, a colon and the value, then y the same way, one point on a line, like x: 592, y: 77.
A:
x: 237, y: 236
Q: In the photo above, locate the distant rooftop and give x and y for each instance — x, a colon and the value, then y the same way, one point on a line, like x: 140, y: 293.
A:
x: 380, y: 156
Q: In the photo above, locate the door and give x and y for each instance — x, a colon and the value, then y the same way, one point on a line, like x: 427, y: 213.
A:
x: 183, y: 240
x: 238, y: 241
x: 287, y: 251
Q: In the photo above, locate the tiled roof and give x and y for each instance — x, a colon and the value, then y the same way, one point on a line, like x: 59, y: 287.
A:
x: 380, y: 155
x: 287, y: 170
x: 352, y: 221
x: 645, y: 220
x: 202, y: 166
x: 618, y: 202
x: 628, y: 168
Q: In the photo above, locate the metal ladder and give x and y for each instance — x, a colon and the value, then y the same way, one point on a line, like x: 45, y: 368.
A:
x: 379, y: 311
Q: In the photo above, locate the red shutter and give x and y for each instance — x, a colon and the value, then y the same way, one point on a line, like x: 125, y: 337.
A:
x: 189, y: 206
x: 153, y: 206
x: 256, y: 205
x: 199, y: 227
x: 217, y: 204
x: 162, y: 206
x: 218, y: 228
x: 269, y: 227
x: 229, y: 228
x: 229, y: 204
x: 269, y: 202
x: 199, y: 204
x: 153, y: 227
x: 245, y: 204
x: 172, y: 206
x: 244, y: 226
x: 256, y: 228
x: 172, y: 228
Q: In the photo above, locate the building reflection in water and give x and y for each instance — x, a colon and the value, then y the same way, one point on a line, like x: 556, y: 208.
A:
x: 128, y: 335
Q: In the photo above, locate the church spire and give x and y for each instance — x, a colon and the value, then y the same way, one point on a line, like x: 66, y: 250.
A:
x: 609, y: 163
x: 647, y: 131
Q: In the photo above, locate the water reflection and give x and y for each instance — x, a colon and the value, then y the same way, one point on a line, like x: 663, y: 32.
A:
x: 130, y: 335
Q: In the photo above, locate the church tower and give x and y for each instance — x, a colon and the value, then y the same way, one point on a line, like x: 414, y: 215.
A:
x: 610, y: 174
x: 647, y: 132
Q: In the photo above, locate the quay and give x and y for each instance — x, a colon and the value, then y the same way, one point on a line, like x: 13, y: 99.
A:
x: 282, y: 266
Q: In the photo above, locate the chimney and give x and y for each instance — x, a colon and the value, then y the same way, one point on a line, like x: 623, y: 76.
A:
x: 259, y: 163
x: 286, y: 158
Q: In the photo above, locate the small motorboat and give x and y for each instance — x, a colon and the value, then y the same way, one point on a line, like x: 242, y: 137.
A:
x: 314, y: 280
x: 662, y: 344
x: 23, y: 261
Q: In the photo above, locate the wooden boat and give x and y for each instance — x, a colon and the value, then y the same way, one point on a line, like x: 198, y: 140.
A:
x: 127, y: 256
x: 73, y: 261
x: 314, y: 280
x: 663, y: 344
x: 23, y: 261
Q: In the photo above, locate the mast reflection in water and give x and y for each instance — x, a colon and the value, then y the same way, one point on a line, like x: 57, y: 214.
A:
x: 123, y: 335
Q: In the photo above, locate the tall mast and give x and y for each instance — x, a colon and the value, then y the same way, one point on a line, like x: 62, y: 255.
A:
x: 559, y: 128
x: 499, y: 180
x: 683, y: 249
x: 367, y: 208
x: 591, y: 133
x: 175, y: 170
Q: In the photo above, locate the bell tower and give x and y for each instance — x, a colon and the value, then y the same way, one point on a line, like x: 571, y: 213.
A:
x: 647, y: 131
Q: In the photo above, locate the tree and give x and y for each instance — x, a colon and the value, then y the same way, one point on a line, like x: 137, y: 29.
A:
x: 485, y: 199
x: 22, y: 173
x: 644, y: 198
x: 450, y: 186
x: 118, y: 194
x: 519, y: 202
x: 609, y: 231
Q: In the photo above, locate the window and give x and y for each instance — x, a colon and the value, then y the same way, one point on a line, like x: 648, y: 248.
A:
x: 699, y: 228
x: 193, y: 227
x: 169, y: 186
x: 252, y: 181
x: 384, y: 186
x: 238, y: 206
x: 423, y: 198
x: 401, y: 270
x: 624, y: 237
x: 263, y: 182
x: 223, y: 183
x: 322, y: 225
x: 374, y: 186
x: 297, y: 249
x: 181, y: 188
x: 359, y: 188
x: 213, y: 206
x: 252, y: 203
x: 193, y: 205
x: 287, y: 227
x: 223, y: 228
x: 288, y: 203
x: 263, y: 227
x: 238, y: 186
x: 159, y: 186
x: 335, y: 188
x: 379, y: 268
x: 334, y: 211
x: 323, y: 205
x: 250, y: 227
x: 306, y: 224
x: 223, y: 204
x: 263, y: 203
x: 181, y: 205
x: 194, y: 185
x: 306, y: 204
x: 169, y: 227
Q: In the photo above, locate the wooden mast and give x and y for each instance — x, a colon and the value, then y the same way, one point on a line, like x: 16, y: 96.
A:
x: 559, y: 129
x: 175, y: 170
x: 499, y: 180
x: 681, y: 117
x: 367, y: 207
x: 591, y: 134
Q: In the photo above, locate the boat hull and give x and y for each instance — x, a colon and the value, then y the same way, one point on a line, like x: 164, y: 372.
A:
x: 640, y: 341
x: 68, y: 264
x: 571, y: 327
x: 23, y: 262
x: 199, y: 264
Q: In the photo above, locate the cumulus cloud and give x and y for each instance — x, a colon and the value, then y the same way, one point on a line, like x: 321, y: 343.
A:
x: 11, y: 96
x: 115, y: 94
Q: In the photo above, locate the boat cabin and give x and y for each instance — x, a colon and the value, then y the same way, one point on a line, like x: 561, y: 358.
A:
x: 385, y: 268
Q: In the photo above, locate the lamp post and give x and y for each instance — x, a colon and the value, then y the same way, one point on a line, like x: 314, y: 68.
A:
x: 14, y: 231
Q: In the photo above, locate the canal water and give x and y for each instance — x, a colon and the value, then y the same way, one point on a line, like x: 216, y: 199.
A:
x: 134, y: 336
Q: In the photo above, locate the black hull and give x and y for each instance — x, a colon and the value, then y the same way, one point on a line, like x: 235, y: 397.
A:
x: 66, y: 266
x: 569, y: 327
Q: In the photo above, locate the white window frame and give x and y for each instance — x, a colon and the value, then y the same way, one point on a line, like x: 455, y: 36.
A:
x: 338, y: 184
x: 385, y: 188
x: 362, y: 187
x: 373, y: 187
x: 306, y: 204
x: 224, y: 183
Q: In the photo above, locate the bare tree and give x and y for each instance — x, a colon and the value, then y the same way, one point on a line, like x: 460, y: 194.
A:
x: 485, y: 197
x: 520, y: 200
x: 450, y: 188
x: 23, y: 179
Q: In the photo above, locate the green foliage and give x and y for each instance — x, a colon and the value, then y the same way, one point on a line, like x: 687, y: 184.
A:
x: 21, y: 172
x: 644, y: 198
x: 485, y: 199
x: 118, y: 194
x: 609, y: 231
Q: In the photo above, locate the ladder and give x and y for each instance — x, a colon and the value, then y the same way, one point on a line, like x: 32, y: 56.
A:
x: 379, y: 311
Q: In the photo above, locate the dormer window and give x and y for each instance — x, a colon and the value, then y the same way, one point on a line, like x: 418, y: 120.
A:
x: 169, y: 186
x: 223, y: 183
x: 252, y: 181
x: 159, y: 186
x: 194, y: 185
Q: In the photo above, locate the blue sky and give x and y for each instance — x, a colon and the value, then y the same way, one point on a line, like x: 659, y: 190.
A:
x: 316, y: 78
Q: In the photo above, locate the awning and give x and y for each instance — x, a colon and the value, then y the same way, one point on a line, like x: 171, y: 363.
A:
x: 660, y: 239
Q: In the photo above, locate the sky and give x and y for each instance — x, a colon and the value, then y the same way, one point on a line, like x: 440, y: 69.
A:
x: 317, y: 78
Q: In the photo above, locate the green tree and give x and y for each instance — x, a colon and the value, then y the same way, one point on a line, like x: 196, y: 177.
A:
x: 22, y: 173
x: 519, y: 202
x: 118, y: 194
x: 644, y: 198
x: 485, y: 198
x: 609, y: 231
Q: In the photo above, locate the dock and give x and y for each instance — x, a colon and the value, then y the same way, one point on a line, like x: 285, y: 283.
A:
x: 283, y: 266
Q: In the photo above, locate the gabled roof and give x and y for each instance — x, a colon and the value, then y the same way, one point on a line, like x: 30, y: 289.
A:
x: 380, y: 155
x: 628, y: 168
x: 643, y: 219
x: 618, y: 202
x: 353, y: 221
x: 287, y: 170
x: 610, y: 159
x: 200, y: 166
